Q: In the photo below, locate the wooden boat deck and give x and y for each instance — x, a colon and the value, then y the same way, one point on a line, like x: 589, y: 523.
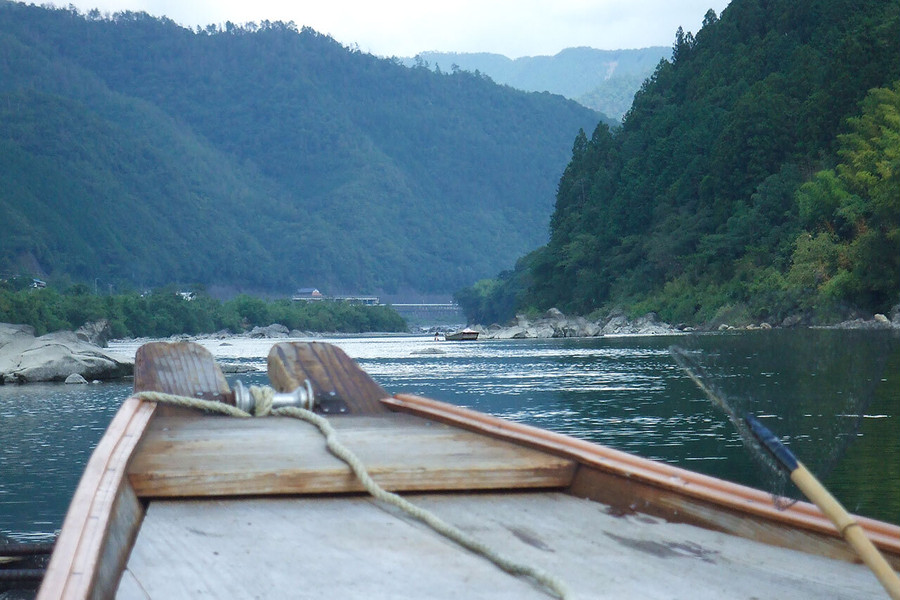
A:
x: 351, y: 546
x: 355, y: 547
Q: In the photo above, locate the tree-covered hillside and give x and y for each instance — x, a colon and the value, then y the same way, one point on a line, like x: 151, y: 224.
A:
x: 260, y: 157
x: 604, y: 80
x: 755, y: 177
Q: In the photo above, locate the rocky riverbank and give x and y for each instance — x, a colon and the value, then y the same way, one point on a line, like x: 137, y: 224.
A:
x: 57, y: 356
x: 554, y: 324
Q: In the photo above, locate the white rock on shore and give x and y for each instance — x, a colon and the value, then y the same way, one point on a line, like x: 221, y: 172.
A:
x: 25, y: 358
x: 554, y: 324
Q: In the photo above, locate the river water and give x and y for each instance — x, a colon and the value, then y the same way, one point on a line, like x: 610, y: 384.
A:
x: 833, y: 396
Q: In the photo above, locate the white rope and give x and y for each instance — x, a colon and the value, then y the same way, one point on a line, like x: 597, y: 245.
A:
x: 263, y: 396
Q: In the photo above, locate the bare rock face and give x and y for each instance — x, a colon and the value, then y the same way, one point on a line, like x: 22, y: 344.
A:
x: 96, y: 332
x: 53, y: 357
x: 554, y: 324
x: 275, y: 330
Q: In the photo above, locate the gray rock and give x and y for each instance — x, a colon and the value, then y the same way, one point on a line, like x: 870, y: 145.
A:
x: 616, y: 323
x: 53, y: 357
x: 541, y: 330
x: 515, y: 332
x: 8, y: 330
x: 75, y: 378
x: 861, y: 323
x: 792, y: 321
x: 554, y: 313
x: 554, y: 324
x: 95, y: 332
x: 275, y: 330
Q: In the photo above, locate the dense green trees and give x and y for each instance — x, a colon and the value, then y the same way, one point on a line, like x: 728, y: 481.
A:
x: 164, y: 312
x: 850, y: 249
x: 261, y: 157
x: 750, y: 177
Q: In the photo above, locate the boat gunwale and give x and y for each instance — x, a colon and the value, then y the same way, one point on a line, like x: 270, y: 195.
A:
x: 85, y: 536
x: 733, y: 496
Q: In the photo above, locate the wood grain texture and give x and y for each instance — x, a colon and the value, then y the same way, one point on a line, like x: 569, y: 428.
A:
x: 331, y: 372
x: 631, y: 483
x: 215, y: 456
x: 103, y: 516
x: 182, y: 368
x: 354, y: 547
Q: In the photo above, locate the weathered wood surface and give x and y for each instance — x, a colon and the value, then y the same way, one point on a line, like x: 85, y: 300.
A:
x: 632, y: 483
x: 103, y: 516
x: 331, y: 372
x: 209, y: 456
x: 353, y: 547
x: 182, y: 368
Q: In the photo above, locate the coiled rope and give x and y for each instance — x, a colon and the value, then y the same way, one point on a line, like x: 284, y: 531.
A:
x: 264, y: 395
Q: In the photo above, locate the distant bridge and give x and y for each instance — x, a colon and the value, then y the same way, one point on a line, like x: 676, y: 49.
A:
x: 436, y: 307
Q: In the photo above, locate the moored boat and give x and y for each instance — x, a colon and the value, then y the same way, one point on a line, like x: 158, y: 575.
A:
x: 177, y: 503
x: 463, y: 335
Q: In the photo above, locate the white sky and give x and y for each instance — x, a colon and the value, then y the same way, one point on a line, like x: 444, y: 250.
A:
x: 406, y: 27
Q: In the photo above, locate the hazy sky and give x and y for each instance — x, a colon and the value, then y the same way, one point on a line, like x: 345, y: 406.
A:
x: 405, y: 27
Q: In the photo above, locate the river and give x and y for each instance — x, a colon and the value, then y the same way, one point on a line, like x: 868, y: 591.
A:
x: 833, y: 396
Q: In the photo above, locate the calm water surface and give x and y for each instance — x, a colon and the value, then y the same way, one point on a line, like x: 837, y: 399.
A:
x: 834, y: 396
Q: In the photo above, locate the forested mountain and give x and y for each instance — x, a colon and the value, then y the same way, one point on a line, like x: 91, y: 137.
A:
x: 757, y: 176
x: 139, y: 153
x: 604, y: 80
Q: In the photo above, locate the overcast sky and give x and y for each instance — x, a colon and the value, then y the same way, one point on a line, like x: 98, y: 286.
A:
x: 406, y: 27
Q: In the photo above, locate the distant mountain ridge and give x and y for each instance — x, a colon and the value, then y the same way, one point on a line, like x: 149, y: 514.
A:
x: 138, y: 153
x: 605, y: 80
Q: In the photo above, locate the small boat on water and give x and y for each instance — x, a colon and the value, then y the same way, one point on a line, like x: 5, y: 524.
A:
x: 463, y: 335
x: 179, y: 503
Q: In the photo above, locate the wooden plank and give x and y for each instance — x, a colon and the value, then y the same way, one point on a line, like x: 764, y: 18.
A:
x: 183, y: 368
x: 103, y: 516
x: 665, y: 490
x: 633, y: 495
x: 332, y: 373
x: 353, y: 547
x: 211, y: 456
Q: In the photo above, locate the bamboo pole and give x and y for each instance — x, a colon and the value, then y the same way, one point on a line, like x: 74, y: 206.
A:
x: 849, y: 529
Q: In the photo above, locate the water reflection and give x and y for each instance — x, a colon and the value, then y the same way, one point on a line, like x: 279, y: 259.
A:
x: 47, y: 432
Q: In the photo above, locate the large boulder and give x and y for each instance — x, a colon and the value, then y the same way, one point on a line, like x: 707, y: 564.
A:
x: 618, y: 323
x: 275, y: 330
x: 95, y: 332
x: 515, y: 332
x: 53, y: 357
x: 553, y: 324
